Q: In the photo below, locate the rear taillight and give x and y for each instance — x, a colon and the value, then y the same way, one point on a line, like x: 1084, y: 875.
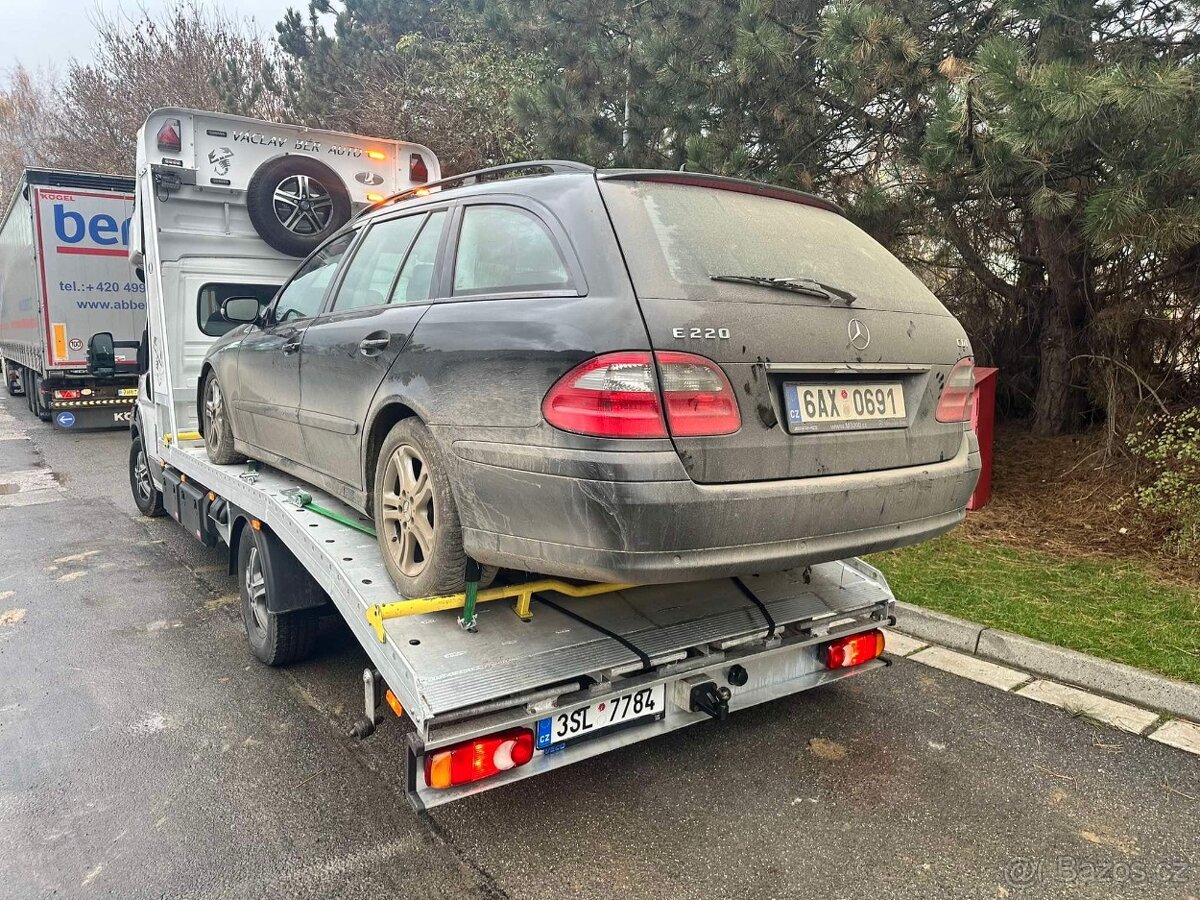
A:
x: 170, y: 137
x: 958, y: 396
x: 480, y: 758
x: 853, y: 650
x: 698, y: 396
x: 616, y: 395
x: 417, y: 170
x: 67, y: 395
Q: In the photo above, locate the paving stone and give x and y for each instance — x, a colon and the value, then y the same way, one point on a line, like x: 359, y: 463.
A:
x: 1178, y: 733
x: 971, y: 667
x: 1110, y: 712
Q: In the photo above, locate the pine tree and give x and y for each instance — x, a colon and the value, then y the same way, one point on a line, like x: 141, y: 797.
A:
x: 1078, y: 122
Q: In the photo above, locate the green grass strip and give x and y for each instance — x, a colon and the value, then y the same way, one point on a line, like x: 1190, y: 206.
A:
x: 1115, y: 609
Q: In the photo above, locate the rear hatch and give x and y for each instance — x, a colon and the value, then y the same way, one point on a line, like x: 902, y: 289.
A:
x: 836, y: 369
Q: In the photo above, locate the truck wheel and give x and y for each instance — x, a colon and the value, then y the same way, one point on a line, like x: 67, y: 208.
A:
x: 146, y: 496
x: 276, y: 639
x: 295, y: 203
x: 40, y: 409
x: 218, y: 432
x: 416, y: 518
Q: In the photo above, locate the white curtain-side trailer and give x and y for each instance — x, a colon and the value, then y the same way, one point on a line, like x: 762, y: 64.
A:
x: 65, y: 275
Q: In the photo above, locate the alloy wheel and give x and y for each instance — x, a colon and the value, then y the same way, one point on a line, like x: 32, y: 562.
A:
x: 141, y: 477
x: 256, y: 587
x: 302, y: 205
x: 408, y: 510
x: 214, y: 410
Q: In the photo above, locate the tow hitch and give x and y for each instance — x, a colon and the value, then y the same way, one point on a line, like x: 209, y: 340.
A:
x: 708, y: 698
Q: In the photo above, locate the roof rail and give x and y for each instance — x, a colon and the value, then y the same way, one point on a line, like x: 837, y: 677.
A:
x: 533, y: 167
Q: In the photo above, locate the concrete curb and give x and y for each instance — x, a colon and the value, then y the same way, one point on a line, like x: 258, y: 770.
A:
x: 1113, y: 679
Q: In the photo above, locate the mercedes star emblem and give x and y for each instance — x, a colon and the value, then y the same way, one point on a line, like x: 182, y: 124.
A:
x: 860, y: 336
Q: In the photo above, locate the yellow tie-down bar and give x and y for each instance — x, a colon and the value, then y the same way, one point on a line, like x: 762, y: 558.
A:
x: 522, y: 593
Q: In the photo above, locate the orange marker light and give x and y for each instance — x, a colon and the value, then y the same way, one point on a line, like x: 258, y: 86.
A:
x: 376, y: 154
x: 256, y: 525
x: 374, y: 198
x: 393, y: 703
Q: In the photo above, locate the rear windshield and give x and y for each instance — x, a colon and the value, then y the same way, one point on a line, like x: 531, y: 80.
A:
x: 675, y: 237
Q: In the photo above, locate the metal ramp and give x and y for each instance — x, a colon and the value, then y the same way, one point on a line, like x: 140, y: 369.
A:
x: 435, y: 668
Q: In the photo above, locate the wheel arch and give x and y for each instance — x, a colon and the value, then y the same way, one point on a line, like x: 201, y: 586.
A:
x: 384, y: 420
x: 206, y: 369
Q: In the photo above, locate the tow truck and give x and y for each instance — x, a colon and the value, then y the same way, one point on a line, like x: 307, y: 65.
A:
x: 498, y: 684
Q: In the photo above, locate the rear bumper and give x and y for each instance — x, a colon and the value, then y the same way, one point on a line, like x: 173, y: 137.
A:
x: 649, y: 530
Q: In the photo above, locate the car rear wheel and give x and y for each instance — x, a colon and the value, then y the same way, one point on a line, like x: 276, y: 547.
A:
x: 218, y: 432
x: 416, y: 518
x: 296, y: 203
x: 148, y: 498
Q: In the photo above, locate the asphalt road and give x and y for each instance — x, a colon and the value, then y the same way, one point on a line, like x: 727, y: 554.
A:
x: 145, y: 754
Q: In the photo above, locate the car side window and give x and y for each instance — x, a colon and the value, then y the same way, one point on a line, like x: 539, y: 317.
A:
x: 376, y: 263
x: 503, y: 249
x: 415, y: 284
x: 301, y: 299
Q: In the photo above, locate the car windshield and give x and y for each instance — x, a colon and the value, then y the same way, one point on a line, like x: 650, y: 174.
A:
x: 677, y: 237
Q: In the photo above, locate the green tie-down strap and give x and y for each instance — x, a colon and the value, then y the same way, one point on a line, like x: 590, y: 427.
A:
x: 305, y: 501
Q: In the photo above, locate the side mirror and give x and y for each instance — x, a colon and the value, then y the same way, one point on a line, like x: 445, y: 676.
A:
x: 240, y: 309
x: 102, y: 355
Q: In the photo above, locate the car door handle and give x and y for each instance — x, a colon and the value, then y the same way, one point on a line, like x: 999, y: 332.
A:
x: 291, y: 346
x: 370, y: 346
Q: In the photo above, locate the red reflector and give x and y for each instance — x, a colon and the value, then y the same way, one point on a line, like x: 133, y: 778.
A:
x: 170, y: 136
x: 853, y: 650
x: 67, y: 395
x: 617, y: 395
x: 417, y: 170
x: 958, y: 396
x: 478, y: 759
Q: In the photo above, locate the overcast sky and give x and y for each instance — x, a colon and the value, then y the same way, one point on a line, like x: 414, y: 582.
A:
x: 41, y: 32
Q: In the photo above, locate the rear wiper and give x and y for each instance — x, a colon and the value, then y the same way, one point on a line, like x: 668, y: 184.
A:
x: 797, y: 285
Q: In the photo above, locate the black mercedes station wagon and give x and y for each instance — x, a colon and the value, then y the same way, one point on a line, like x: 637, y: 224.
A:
x: 626, y: 376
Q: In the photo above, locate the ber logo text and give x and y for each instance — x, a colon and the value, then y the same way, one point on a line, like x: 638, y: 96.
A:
x: 99, y: 234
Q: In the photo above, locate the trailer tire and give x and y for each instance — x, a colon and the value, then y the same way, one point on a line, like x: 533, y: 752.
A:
x: 276, y: 639
x: 147, y: 498
x: 295, y: 203
x: 215, y: 424
x: 39, y: 407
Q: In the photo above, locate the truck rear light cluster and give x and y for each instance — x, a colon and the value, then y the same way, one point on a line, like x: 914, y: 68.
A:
x: 417, y: 170
x: 617, y: 395
x: 853, y: 650
x: 958, y: 396
x: 480, y: 758
x: 67, y: 394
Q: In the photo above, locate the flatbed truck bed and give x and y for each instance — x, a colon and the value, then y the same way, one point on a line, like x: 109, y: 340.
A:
x: 511, y: 672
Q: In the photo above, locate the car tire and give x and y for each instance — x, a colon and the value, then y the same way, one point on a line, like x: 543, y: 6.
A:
x: 276, y: 639
x: 217, y: 429
x: 147, y: 498
x: 295, y: 203
x: 412, y: 487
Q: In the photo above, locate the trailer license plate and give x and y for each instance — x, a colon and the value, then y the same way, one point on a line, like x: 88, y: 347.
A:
x: 127, y: 392
x: 645, y: 703
x: 832, y: 407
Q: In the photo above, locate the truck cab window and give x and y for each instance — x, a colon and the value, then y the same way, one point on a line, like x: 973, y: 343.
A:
x: 211, y: 296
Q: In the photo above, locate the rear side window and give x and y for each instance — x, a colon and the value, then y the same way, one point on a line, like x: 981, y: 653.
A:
x: 211, y: 296
x: 676, y: 237
x: 369, y: 276
x: 504, y: 249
